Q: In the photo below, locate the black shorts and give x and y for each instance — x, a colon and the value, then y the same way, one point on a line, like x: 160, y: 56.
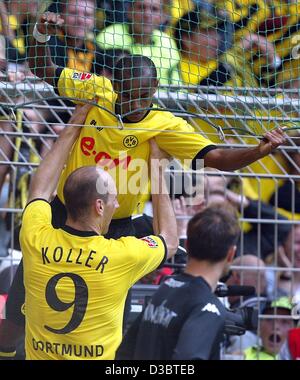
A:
x: 16, y: 295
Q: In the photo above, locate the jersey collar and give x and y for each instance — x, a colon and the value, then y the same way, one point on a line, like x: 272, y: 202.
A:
x: 75, y: 232
x: 125, y: 120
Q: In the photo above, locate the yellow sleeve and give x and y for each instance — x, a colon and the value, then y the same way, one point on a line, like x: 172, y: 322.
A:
x: 147, y: 253
x: 81, y: 85
x: 183, y: 142
x: 36, y: 216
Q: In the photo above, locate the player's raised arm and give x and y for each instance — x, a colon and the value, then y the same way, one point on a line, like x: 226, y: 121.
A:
x: 47, y: 175
x: 39, y: 58
x: 164, y: 220
x: 233, y: 159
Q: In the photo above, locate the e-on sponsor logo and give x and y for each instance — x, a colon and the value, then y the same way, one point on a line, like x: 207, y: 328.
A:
x: 102, y: 159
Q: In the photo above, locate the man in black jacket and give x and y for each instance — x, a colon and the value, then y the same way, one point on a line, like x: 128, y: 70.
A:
x: 184, y: 319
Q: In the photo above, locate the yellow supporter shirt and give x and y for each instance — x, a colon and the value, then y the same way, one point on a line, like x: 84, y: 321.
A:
x: 246, y: 15
x: 123, y: 152
x: 76, y: 285
x: 278, y: 21
x: 230, y: 71
x: 194, y: 73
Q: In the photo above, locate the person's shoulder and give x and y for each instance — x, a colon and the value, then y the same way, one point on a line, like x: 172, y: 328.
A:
x: 200, y: 297
x: 150, y: 241
x: 127, y: 246
x: 162, y: 114
x: 201, y: 285
x: 135, y: 240
x: 203, y: 291
x: 123, y: 242
x: 36, y: 204
x: 167, y: 44
x: 195, y: 285
x: 208, y: 303
x: 37, y: 214
x: 163, y: 118
x: 178, y: 281
x: 114, y: 36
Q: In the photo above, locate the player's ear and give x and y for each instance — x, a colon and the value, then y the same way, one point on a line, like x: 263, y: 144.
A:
x: 231, y: 254
x: 156, y: 84
x: 99, y: 206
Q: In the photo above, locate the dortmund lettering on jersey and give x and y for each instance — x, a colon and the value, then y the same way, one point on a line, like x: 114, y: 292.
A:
x: 123, y: 152
x: 76, y: 285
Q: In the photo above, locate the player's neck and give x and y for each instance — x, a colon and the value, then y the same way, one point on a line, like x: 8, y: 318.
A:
x: 83, y: 225
x: 210, y: 273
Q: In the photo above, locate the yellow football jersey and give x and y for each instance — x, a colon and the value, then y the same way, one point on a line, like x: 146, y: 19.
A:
x: 76, y: 285
x: 123, y: 152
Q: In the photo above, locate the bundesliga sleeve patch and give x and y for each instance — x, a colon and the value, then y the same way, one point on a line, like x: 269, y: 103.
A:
x: 81, y: 76
x: 151, y: 242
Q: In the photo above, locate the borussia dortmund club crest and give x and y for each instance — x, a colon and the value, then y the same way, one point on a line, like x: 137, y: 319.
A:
x: 130, y: 141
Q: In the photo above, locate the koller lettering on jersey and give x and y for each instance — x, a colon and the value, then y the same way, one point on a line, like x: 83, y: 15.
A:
x: 80, y: 257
